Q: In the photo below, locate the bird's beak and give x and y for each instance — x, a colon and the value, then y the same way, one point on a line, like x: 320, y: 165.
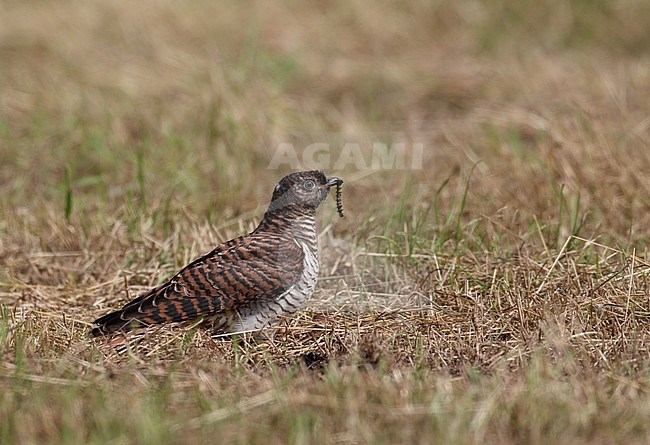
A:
x: 333, y: 181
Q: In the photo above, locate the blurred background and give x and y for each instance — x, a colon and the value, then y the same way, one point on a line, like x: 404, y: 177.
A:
x: 534, y: 115
x: 495, y: 292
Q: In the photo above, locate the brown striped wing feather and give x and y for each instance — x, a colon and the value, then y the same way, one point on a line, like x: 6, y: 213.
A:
x: 245, y: 270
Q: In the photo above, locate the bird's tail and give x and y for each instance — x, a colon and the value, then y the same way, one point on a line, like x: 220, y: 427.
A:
x: 138, y: 313
x: 161, y: 305
x: 106, y: 324
x: 114, y: 322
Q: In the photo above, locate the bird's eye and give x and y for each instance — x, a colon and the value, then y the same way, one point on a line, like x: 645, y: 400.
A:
x: 309, y: 184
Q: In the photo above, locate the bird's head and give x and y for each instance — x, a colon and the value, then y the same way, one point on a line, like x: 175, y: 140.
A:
x: 302, y: 190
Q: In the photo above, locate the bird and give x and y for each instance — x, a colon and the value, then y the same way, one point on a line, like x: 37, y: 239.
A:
x: 247, y: 283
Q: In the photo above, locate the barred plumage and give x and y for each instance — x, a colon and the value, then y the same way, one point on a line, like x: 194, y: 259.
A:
x: 248, y: 282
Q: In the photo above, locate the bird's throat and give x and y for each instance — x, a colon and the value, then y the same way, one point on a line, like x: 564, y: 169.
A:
x: 299, y: 223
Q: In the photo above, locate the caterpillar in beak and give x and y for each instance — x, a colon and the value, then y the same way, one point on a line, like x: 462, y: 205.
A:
x: 339, y: 201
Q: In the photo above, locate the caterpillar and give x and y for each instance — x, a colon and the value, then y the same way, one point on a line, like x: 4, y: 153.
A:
x: 339, y: 201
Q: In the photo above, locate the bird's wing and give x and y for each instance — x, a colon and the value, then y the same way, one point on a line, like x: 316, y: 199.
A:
x: 244, y: 270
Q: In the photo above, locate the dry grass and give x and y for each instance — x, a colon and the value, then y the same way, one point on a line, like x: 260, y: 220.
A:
x: 501, y: 294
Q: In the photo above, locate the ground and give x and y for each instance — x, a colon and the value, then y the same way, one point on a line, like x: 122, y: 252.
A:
x: 497, y: 291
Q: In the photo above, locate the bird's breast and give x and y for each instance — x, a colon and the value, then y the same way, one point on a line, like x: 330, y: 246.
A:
x: 264, y: 313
